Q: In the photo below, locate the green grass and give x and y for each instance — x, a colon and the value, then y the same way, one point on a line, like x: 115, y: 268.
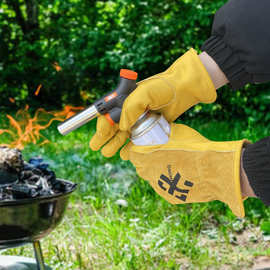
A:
x: 143, y: 231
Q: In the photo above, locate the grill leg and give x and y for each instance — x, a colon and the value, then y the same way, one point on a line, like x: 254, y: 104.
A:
x: 39, y: 256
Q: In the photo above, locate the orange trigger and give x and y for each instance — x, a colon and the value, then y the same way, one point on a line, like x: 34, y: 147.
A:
x: 107, y: 115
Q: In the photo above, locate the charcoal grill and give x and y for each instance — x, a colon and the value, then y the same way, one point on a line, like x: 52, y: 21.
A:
x: 27, y: 221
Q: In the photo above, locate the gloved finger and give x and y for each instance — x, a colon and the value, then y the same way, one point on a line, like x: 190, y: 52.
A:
x: 151, y: 94
x: 115, y: 143
x: 124, y: 153
x: 104, y: 132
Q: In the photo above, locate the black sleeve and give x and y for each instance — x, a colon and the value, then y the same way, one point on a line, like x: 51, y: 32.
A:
x: 240, y: 41
x: 256, y: 163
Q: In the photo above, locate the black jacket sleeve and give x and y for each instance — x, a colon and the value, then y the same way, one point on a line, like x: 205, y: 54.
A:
x: 240, y: 41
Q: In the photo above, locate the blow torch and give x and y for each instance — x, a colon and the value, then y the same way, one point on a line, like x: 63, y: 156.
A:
x: 150, y: 129
x: 109, y: 105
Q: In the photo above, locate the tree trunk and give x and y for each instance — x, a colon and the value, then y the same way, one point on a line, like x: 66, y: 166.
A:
x: 32, y: 11
x: 31, y: 33
x: 15, y: 5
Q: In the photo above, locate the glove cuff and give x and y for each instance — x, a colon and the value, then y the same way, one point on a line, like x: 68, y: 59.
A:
x: 191, y: 83
x: 187, y: 75
x: 235, y: 198
x: 204, y: 88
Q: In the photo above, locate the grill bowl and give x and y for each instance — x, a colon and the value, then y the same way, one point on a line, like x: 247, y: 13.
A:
x: 28, y: 220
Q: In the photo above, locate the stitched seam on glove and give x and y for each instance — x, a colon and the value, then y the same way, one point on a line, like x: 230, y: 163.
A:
x: 207, y: 78
x: 237, y: 183
x: 178, y: 149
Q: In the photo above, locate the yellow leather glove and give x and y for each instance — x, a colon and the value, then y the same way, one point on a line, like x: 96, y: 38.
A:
x: 191, y: 168
x: 111, y: 135
x: 184, y: 84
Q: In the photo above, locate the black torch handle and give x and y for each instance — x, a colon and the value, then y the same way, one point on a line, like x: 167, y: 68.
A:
x: 111, y: 104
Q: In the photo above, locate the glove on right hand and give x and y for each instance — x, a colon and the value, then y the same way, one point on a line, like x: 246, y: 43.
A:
x: 184, y: 84
x: 172, y: 92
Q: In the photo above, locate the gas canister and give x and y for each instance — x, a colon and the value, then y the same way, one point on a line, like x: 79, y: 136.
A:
x: 150, y: 129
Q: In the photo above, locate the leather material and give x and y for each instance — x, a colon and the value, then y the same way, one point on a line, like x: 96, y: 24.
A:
x: 184, y: 84
x: 191, y: 168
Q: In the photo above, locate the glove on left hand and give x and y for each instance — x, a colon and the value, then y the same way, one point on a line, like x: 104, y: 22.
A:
x: 191, y: 168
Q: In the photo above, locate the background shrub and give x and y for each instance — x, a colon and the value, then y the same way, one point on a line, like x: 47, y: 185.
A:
x: 92, y: 40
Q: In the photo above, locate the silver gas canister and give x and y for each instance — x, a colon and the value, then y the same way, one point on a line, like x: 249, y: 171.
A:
x: 150, y: 129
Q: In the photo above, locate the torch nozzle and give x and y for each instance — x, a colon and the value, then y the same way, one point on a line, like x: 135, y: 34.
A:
x: 78, y: 120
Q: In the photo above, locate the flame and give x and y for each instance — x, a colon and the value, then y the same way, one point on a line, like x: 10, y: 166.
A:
x: 38, y: 90
x: 24, y: 128
x: 12, y: 100
x: 57, y: 67
x: 67, y: 112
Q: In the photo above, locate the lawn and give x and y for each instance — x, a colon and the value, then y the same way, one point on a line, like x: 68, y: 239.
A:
x: 116, y: 221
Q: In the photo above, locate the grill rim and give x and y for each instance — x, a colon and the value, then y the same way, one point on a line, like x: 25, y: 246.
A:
x: 5, y: 203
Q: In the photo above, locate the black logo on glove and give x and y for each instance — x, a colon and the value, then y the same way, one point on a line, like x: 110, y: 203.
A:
x: 173, y: 182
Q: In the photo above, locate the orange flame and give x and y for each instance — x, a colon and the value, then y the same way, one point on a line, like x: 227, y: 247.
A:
x: 38, y: 90
x: 24, y: 128
x: 57, y: 67
x: 12, y: 100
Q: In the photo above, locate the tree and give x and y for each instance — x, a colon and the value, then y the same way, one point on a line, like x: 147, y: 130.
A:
x: 91, y: 40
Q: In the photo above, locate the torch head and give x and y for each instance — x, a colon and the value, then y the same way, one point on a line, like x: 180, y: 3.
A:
x: 109, y: 105
x: 78, y: 120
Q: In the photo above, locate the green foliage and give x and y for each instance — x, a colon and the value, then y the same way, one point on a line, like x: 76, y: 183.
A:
x: 265, y: 227
x: 92, y: 40
x: 249, y: 104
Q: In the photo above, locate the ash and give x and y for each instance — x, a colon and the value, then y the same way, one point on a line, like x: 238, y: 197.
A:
x: 22, y: 180
x: 11, y: 164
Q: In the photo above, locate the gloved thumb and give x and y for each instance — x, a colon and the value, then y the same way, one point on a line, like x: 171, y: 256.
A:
x: 151, y: 94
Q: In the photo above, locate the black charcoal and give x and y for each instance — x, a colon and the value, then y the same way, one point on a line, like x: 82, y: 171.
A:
x: 34, y: 178
x: 23, y: 191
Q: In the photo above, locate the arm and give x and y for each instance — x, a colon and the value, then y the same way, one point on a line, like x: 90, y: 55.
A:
x: 237, y: 52
x: 246, y: 189
x: 218, y: 77
x: 239, y: 43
